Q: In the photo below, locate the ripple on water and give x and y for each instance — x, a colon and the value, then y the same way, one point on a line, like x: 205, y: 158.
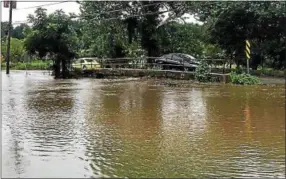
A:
x: 93, y: 128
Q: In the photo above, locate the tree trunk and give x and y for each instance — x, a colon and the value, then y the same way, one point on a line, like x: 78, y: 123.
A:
x: 64, y: 68
x: 129, y: 33
x: 231, y: 59
x: 57, y: 67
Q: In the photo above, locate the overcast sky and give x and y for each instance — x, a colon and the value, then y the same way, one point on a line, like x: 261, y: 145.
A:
x: 20, y: 14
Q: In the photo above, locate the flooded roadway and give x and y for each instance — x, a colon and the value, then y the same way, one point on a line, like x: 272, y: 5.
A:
x: 104, y: 128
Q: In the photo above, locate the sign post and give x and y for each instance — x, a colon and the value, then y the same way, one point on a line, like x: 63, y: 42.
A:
x: 247, y: 53
x: 11, y: 5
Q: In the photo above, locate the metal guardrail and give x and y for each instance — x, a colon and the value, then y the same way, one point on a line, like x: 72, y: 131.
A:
x: 148, y: 63
x: 141, y: 63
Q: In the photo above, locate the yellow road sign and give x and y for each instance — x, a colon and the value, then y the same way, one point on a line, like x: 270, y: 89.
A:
x: 247, y: 43
x: 247, y: 55
x: 247, y: 49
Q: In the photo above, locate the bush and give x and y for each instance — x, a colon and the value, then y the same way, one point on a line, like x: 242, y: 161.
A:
x: 243, y: 79
x: 203, y: 72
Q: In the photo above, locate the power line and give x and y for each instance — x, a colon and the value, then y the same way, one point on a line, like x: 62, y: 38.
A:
x: 50, y: 4
x: 152, y: 13
x: 20, y: 22
x: 125, y: 9
x: 108, y: 19
x: 114, y: 18
x: 118, y: 10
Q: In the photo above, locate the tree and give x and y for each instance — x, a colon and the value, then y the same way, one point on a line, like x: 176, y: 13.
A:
x: 53, y: 35
x: 18, y: 31
x: 16, y: 51
x: 101, y: 37
x: 181, y: 38
x: 231, y: 23
x: 110, y: 34
x: 4, y: 29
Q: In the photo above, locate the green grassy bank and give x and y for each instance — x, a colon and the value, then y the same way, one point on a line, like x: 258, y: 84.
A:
x: 35, y: 65
x: 265, y: 72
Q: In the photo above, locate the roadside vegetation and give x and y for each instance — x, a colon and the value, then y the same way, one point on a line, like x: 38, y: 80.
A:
x: 138, y: 30
x: 202, y: 73
x: 243, y: 79
x: 34, y: 65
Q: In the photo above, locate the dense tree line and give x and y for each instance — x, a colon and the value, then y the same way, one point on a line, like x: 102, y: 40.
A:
x: 118, y: 29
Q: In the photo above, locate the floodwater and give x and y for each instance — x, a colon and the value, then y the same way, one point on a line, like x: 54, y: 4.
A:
x: 110, y: 128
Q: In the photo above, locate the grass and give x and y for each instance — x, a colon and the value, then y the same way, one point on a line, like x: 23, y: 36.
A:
x: 34, y: 65
x: 270, y: 72
x: 262, y: 72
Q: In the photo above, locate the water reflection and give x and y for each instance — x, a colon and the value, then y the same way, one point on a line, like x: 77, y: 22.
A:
x: 103, y: 128
x: 125, y: 134
x: 240, y: 113
x: 184, y: 122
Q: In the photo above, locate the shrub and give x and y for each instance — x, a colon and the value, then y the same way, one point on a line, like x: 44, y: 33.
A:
x: 203, y: 72
x: 243, y: 79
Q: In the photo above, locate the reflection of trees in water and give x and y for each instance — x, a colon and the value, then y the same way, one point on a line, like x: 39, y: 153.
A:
x: 15, y: 143
x: 100, y: 142
x: 184, y: 123
x: 184, y: 109
x: 127, y: 127
x: 245, y: 125
x: 130, y: 108
x: 50, y: 112
x: 235, y: 107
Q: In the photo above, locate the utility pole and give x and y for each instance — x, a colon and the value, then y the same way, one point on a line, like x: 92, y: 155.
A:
x: 9, y: 37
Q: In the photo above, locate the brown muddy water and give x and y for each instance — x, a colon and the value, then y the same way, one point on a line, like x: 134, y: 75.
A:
x: 110, y: 128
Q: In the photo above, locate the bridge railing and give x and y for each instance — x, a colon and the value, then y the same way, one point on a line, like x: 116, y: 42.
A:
x: 149, y: 63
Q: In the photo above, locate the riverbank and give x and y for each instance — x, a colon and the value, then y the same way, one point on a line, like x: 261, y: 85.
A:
x: 35, y: 65
x: 169, y: 78
x: 166, y: 77
x: 172, y: 75
x: 158, y: 74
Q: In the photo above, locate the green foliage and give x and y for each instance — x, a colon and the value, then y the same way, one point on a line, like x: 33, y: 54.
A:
x: 182, y: 38
x: 17, y: 49
x: 202, y: 73
x: 4, y: 29
x: 34, y: 65
x: 18, y: 31
x: 140, y: 29
x: 102, y: 38
x: 52, y: 35
x: 231, y: 23
x: 243, y: 79
x: 270, y: 72
x: 137, y: 53
x: 134, y: 50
